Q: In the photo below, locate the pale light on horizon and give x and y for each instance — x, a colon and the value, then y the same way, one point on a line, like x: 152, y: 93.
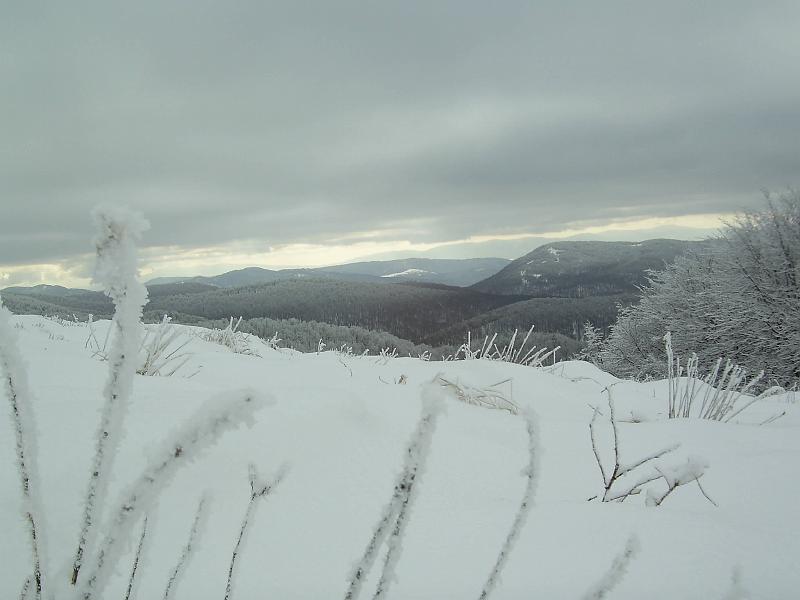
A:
x: 174, y: 261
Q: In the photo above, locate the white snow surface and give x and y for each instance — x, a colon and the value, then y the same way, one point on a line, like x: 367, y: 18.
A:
x: 343, y: 437
x: 408, y: 272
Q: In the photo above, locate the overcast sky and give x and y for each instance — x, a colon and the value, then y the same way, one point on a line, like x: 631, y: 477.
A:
x: 252, y: 132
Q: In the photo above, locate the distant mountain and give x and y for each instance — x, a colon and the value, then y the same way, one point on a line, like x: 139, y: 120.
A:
x: 461, y: 272
x: 455, y: 272
x: 581, y: 269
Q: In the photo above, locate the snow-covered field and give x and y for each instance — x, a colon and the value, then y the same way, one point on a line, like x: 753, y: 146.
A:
x: 341, y: 425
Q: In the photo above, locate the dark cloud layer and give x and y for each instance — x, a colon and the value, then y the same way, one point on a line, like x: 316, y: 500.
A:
x: 305, y: 121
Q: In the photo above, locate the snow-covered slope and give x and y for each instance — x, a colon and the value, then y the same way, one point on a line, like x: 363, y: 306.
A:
x: 341, y: 424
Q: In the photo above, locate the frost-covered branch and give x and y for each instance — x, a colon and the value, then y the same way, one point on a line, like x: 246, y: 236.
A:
x: 15, y: 381
x: 137, y: 557
x: 116, y: 270
x: 215, y: 418
x: 617, y: 571
x: 258, y: 490
x: 394, y: 514
x: 188, y: 549
x: 620, y: 468
x: 531, y: 472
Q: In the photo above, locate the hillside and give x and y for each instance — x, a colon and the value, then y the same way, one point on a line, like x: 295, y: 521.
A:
x: 565, y: 316
x: 339, y: 427
x: 461, y: 272
x: 581, y: 269
x: 407, y: 310
x: 454, y: 272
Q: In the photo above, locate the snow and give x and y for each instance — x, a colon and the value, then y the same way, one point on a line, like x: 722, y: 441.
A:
x: 407, y: 272
x: 344, y: 433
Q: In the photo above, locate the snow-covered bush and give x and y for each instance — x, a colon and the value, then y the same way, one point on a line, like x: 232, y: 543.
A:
x: 739, y: 297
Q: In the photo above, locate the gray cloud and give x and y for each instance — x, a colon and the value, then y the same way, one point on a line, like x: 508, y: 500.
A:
x: 305, y: 121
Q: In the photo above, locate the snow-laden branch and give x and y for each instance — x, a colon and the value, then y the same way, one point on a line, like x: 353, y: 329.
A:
x: 118, y: 230
x: 216, y: 417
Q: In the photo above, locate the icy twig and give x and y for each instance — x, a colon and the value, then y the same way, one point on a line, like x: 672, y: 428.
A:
x: 136, y: 559
x: 531, y: 472
x: 401, y: 500
x: 621, y: 469
x: 215, y: 418
x: 617, y: 571
x: 258, y: 490
x: 186, y: 553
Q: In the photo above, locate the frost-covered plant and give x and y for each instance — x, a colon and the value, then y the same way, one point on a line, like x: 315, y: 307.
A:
x: 620, y: 468
x: 593, y: 344
x: 162, y: 349
x: 386, y: 355
x: 188, y: 550
x: 116, y: 270
x: 615, y: 573
x: 622, y: 472
x: 726, y: 394
x: 97, y: 556
x: 258, y: 490
x: 93, y: 344
x: 531, y: 473
x: 214, y: 418
x: 675, y: 476
x: 15, y: 381
x: 509, y: 353
x: 737, y: 297
x: 488, y: 397
x: 394, y: 515
x: 237, y: 341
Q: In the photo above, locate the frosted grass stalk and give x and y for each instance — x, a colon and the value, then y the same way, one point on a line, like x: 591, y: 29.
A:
x: 15, y: 382
x: 531, y: 472
x: 118, y: 230
x: 617, y: 571
x: 415, y: 457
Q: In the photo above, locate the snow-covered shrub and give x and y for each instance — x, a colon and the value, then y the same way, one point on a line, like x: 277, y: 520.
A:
x: 593, y: 344
x: 738, y: 297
